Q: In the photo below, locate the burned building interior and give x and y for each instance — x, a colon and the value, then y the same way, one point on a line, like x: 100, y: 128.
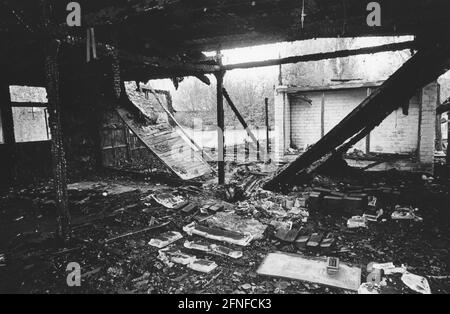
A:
x: 351, y: 195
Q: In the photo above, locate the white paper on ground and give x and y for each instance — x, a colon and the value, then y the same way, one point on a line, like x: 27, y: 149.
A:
x: 416, y: 283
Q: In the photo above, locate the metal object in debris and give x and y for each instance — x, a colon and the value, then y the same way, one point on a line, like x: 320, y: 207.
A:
x: 332, y: 266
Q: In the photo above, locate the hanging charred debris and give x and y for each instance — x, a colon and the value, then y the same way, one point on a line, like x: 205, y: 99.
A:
x: 334, y: 181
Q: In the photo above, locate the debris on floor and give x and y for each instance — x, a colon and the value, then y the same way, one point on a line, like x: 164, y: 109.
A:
x: 218, y: 234
x: 311, y: 270
x: 169, y: 200
x: 231, y: 221
x: 416, y: 283
x: 165, y: 239
x: 396, y: 225
x: 203, y: 265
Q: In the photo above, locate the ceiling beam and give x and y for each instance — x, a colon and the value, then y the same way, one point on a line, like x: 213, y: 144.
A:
x: 323, y: 56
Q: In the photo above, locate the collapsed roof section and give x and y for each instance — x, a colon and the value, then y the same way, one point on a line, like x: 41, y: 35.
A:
x: 169, y: 143
x: 165, y: 38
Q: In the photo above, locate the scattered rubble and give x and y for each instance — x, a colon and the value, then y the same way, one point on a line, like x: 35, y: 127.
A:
x: 231, y: 241
x: 218, y: 234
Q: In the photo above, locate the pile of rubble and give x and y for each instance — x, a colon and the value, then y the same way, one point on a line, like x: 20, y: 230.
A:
x: 332, y: 236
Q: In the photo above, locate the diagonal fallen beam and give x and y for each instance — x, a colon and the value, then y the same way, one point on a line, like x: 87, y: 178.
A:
x: 240, y: 118
x: 426, y: 66
x: 323, y: 55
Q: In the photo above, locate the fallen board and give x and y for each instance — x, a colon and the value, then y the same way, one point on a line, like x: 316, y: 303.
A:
x: 294, y: 266
x: 168, y: 144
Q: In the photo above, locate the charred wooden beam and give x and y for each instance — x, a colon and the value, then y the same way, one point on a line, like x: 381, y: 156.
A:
x: 7, y: 123
x: 323, y: 56
x: 179, y: 69
x: 266, y: 107
x: 423, y: 68
x: 162, y: 63
x: 220, y: 124
x: 57, y: 146
x: 51, y: 48
x: 445, y: 107
x: 220, y: 129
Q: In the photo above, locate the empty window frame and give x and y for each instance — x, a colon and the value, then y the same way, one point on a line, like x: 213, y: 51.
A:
x: 30, y: 114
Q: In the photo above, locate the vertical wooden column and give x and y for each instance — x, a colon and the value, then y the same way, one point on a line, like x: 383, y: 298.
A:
x: 57, y: 145
x: 8, y: 132
x: 220, y: 129
x: 322, y: 116
x: 438, y: 122
x: 266, y: 102
x: 369, y: 91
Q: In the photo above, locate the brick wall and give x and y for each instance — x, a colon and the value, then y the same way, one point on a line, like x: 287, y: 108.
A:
x: 398, y: 133
x: 305, y: 120
x: 338, y: 104
x: 428, y: 126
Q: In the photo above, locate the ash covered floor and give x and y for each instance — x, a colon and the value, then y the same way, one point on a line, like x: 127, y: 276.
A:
x: 115, y: 217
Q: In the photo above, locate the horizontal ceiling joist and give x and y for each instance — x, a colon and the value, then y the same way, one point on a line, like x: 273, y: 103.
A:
x: 173, y: 68
x: 323, y: 56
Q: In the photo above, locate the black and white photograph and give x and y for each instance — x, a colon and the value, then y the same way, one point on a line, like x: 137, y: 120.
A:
x: 225, y: 154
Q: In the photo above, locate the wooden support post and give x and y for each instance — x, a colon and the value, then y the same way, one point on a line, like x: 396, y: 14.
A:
x: 322, y: 116
x: 8, y: 132
x: 258, y: 155
x: 247, y: 150
x: 57, y: 146
x: 438, y: 122
x: 369, y: 91
x: 266, y: 101
x: 170, y: 108
x: 220, y: 129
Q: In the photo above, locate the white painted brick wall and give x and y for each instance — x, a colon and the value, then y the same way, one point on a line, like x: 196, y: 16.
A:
x: 396, y: 134
x: 305, y: 120
x: 428, y: 126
